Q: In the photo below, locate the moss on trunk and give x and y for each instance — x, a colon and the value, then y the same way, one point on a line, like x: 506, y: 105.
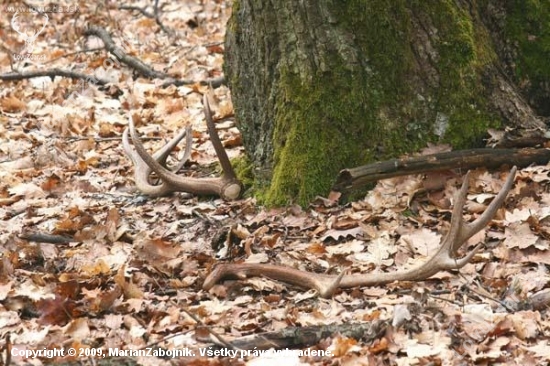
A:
x: 339, y: 84
x: 527, y: 32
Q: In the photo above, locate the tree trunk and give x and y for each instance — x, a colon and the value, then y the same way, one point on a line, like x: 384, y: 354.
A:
x: 322, y: 85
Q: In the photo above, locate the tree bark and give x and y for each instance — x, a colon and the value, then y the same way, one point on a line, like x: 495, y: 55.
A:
x: 323, y: 85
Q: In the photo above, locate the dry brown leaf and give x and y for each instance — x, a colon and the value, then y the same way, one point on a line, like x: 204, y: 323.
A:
x: 342, y: 234
x: 78, y: 329
x: 12, y: 104
x: 519, y: 235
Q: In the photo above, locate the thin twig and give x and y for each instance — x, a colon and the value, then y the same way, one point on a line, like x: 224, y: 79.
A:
x: 104, y: 139
x: 163, y: 339
x: 211, y: 331
x: 7, y: 347
x: 214, y: 82
x: 137, y: 8
x: 486, y: 296
x: 157, y: 19
x: 444, y: 299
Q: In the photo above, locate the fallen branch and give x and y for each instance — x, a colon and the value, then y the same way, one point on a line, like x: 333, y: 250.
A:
x: 135, y: 63
x: 296, y: 337
x: 141, y: 67
x: 352, y: 179
x: 138, y: 65
x: 52, y: 73
x: 45, y: 238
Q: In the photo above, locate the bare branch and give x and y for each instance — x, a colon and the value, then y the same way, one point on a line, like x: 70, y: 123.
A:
x: 143, y: 11
x: 157, y: 18
x: 136, y: 64
x: 52, y: 73
x: 141, y: 67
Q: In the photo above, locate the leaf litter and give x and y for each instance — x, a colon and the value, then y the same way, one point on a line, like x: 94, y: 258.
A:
x: 134, y: 266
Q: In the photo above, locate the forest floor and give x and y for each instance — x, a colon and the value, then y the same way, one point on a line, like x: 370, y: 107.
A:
x: 88, y: 264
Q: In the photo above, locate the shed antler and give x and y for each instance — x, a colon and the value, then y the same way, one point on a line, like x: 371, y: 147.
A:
x: 444, y: 259
x: 227, y: 186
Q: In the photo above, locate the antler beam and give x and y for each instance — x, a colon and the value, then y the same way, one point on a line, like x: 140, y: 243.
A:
x: 227, y: 186
x: 445, y: 259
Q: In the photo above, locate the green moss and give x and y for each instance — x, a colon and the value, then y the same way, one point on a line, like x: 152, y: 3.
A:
x: 351, y: 114
x: 244, y: 169
x: 528, y: 25
x: 313, y: 139
x: 332, y: 120
x: 464, y: 50
x: 527, y: 30
x: 232, y: 23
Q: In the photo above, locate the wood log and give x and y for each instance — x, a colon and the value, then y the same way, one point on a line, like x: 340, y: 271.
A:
x: 355, y: 178
x: 299, y: 337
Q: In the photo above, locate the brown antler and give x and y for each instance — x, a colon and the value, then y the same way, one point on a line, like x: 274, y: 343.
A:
x: 444, y: 259
x: 227, y: 186
x: 142, y: 170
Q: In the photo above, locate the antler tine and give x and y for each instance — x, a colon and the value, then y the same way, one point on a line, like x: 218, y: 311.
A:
x: 141, y: 171
x: 460, y: 232
x: 470, y: 229
x: 444, y: 259
x: 215, y: 139
x: 162, y: 154
x: 187, y: 153
x: 457, y: 220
